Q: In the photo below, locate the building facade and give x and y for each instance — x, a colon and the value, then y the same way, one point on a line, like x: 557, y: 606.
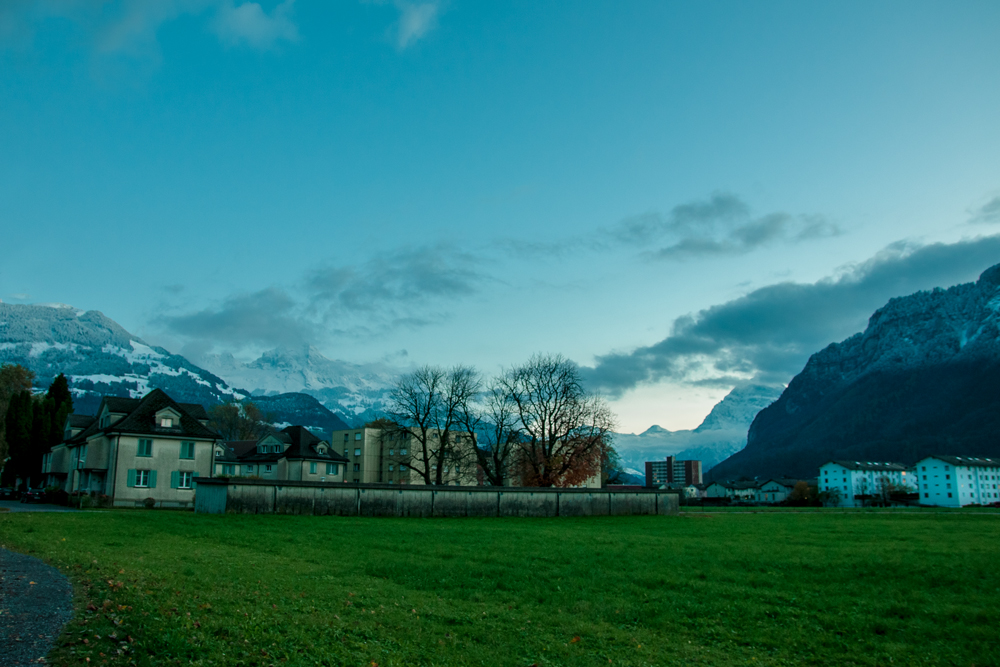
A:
x: 292, y: 454
x: 672, y: 471
x: 378, y: 456
x: 133, y: 450
x: 859, y: 483
x: 955, y: 481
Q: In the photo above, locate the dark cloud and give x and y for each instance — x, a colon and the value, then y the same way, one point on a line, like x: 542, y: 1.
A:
x: 722, y: 224
x: 988, y: 212
x: 403, y: 289
x: 267, y: 318
x: 771, y: 332
x: 396, y: 281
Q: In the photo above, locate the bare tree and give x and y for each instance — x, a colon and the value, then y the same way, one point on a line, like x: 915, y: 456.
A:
x: 429, y: 408
x: 493, y: 418
x: 564, y: 432
x: 236, y: 420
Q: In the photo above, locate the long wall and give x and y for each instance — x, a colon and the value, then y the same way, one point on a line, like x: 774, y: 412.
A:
x: 220, y: 495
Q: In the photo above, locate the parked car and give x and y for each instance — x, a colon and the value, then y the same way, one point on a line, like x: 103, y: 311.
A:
x: 33, y: 496
x: 7, y: 493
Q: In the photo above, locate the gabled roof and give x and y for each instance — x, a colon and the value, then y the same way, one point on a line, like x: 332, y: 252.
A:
x: 140, y: 418
x: 789, y: 483
x: 234, y: 449
x: 967, y: 461
x: 870, y: 465
x: 300, y: 443
x: 304, y: 446
x: 79, y: 421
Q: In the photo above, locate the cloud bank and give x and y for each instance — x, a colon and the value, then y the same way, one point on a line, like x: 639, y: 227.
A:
x: 401, y: 289
x: 770, y: 333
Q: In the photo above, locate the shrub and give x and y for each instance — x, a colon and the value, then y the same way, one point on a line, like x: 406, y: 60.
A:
x: 149, y: 503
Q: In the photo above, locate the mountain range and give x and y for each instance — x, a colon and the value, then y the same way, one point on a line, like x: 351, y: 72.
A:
x: 721, y: 433
x: 923, y: 378
x: 99, y: 357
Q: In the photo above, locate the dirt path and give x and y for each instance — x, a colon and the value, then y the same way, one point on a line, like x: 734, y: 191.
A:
x: 36, y: 601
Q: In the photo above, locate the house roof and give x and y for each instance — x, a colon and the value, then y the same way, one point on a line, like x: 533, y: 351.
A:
x: 967, y: 461
x: 300, y: 443
x: 870, y: 465
x: 787, y: 482
x: 79, y: 421
x: 140, y: 418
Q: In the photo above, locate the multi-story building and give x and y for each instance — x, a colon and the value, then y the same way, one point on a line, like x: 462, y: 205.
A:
x: 387, y: 457
x: 135, y: 449
x: 954, y: 481
x: 672, y: 471
x: 293, y: 454
x: 857, y: 483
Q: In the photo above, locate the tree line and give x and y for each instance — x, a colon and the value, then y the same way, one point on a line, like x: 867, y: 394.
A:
x: 533, y: 423
x: 30, y: 424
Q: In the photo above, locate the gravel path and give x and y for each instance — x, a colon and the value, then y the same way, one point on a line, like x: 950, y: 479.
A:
x: 36, y: 601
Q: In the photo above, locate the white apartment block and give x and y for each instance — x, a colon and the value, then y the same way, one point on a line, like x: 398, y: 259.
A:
x: 857, y: 481
x: 954, y: 481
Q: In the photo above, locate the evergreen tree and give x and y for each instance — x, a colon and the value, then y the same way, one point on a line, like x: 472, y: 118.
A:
x: 62, y: 402
x: 18, y: 425
x: 13, y: 378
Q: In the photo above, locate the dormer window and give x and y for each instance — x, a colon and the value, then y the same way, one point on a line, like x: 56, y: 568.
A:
x: 167, y: 422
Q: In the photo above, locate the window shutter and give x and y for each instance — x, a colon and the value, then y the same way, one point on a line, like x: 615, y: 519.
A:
x: 152, y: 479
x: 131, y: 479
x: 175, y: 479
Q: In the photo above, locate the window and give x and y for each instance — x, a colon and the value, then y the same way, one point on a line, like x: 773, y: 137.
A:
x: 357, y: 467
x: 390, y: 467
x: 402, y: 467
x: 346, y: 436
x: 249, y: 469
x: 357, y: 436
x: 949, y: 495
x: 331, y: 469
x: 187, y: 450
x: 458, y: 470
x: 142, y: 479
x: 392, y: 452
x: 267, y: 468
x: 402, y: 452
x: 229, y: 469
x: 145, y: 447
x: 312, y: 467
x: 166, y: 422
x: 357, y: 452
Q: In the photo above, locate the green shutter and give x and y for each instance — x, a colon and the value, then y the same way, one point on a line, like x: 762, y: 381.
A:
x: 175, y: 479
x: 152, y: 479
x: 131, y: 479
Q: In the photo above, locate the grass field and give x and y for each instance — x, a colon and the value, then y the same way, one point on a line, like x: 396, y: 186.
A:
x: 169, y: 588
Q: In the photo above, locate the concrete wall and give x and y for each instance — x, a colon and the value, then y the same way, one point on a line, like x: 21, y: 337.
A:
x: 245, y: 496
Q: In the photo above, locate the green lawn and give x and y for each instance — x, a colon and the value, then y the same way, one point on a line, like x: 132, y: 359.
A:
x: 721, y: 589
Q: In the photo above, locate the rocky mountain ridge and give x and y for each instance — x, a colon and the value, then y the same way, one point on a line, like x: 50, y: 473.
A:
x: 921, y: 379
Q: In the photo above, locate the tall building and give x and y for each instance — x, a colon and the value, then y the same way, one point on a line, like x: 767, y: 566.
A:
x: 672, y: 471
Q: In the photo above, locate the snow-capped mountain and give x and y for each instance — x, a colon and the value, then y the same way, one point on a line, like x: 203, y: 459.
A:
x: 721, y: 433
x: 100, y: 358
x: 922, y: 379
x: 355, y: 391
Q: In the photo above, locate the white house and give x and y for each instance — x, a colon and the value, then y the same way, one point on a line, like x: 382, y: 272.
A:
x: 857, y: 482
x: 739, y: 491
x: 954, y: 481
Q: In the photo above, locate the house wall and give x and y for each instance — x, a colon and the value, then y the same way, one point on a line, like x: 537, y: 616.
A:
x: 165, y: 459
x: 261, y: 497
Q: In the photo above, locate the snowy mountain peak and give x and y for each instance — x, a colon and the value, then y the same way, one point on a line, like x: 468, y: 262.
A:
x: 739, y: 407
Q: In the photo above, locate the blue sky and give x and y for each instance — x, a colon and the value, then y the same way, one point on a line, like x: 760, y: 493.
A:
x: 459, y: 182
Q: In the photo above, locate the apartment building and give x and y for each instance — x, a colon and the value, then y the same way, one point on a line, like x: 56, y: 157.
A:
x: 954, y: 481
x: 673, y: 471
x: 859, y: 482
x: 380, y: 456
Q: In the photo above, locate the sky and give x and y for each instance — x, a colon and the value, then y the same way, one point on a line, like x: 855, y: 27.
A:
x: 678, y: 196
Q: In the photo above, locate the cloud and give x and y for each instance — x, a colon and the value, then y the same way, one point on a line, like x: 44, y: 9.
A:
x: 269, y: 318
x: 130, y: 26
x: 416, y: 19
x: 722, y: 224
x: 987, y: 213
x: 403, y: 289
x: 249, y: 23
x: 769, y: 333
